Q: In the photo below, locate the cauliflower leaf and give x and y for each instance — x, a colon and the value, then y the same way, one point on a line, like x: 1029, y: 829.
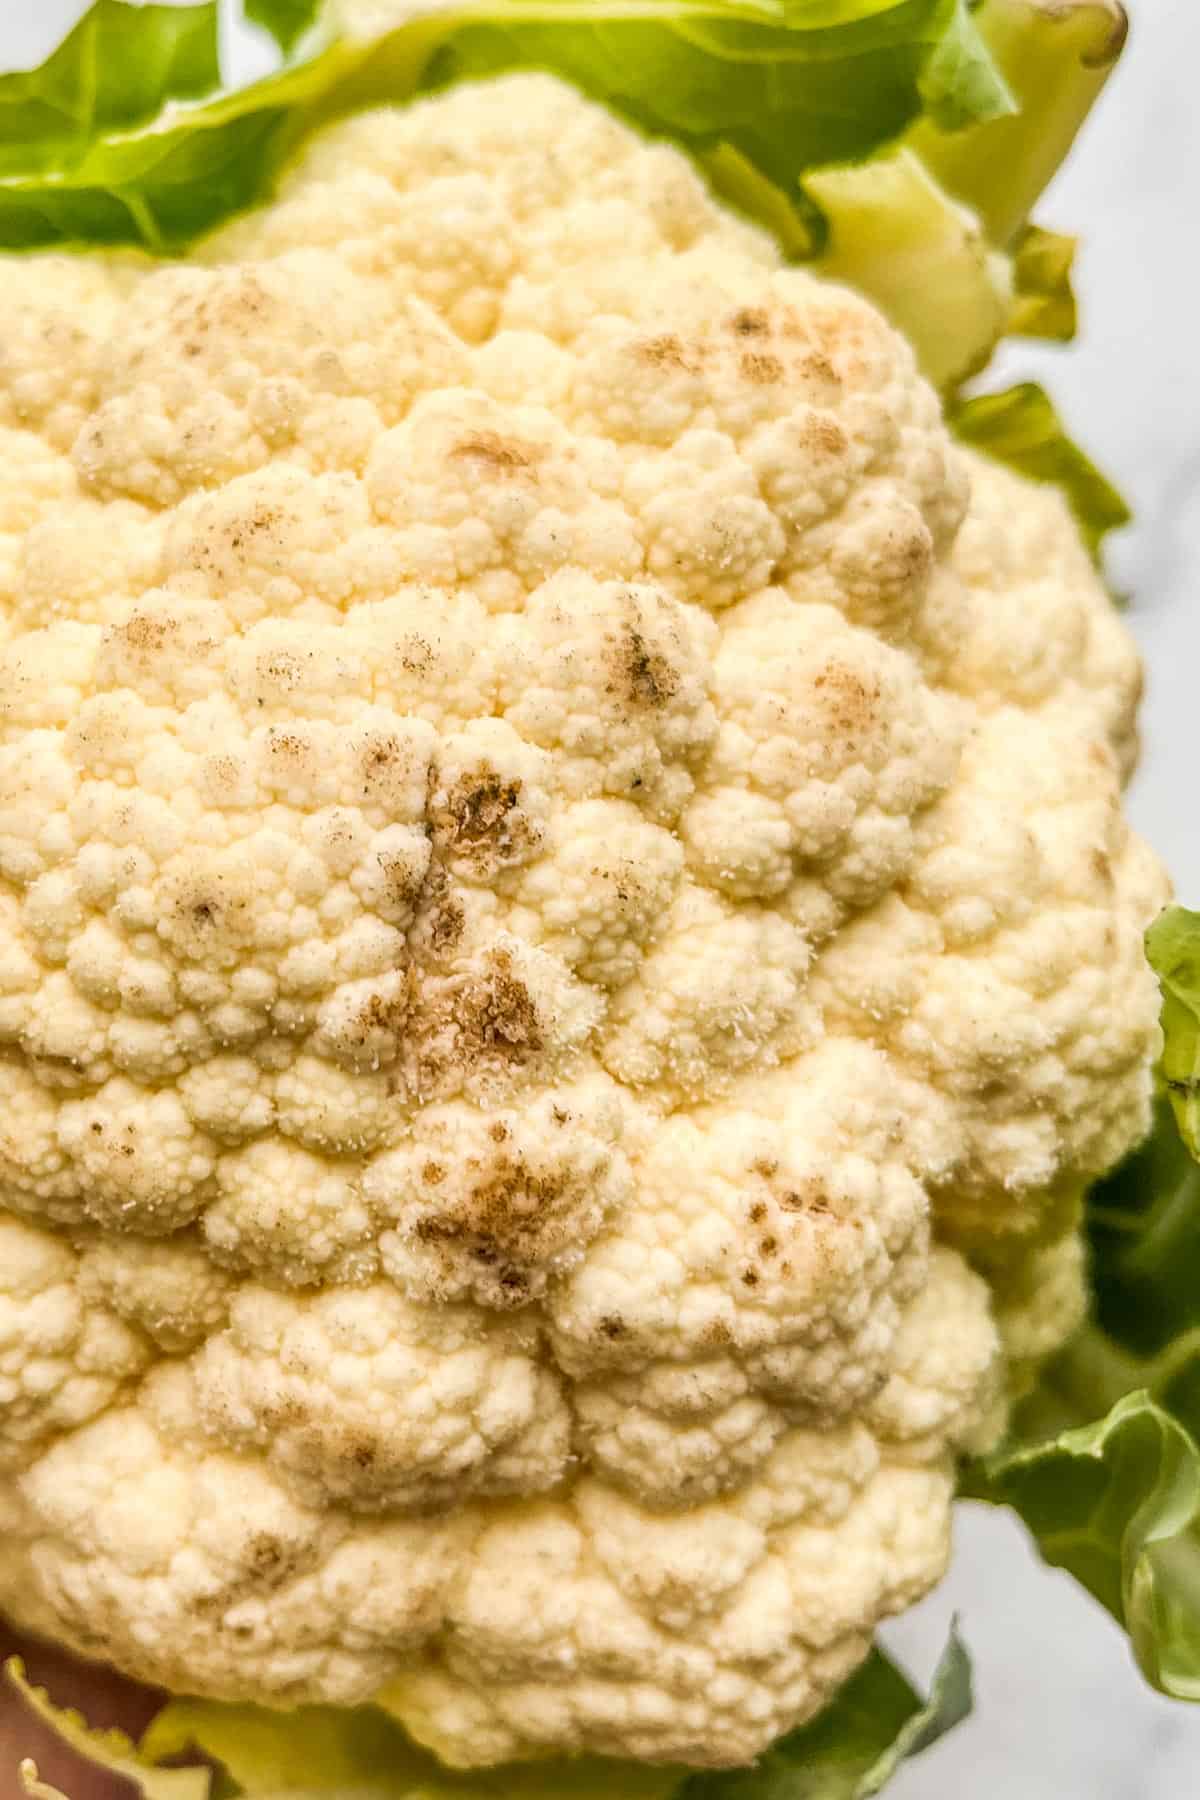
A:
x: 786, y: 109
x: 1104, y: 1467
x: 286, y: 20
x: 1021, y: 428
x: 334, y: 1753
x: 114, y: 71
x: 1043, y: 304
x: 1054, y: 56
x: 793, y: 113
x: 787, y: 88
x: 1117, y: 1504
x: 111, y: 1750
x: 1173, y: 944
x: 896, y: 235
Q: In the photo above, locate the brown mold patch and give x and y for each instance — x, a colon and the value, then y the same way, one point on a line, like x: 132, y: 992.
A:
x: 447, y: 922
x: 145, y: 632
x: 852, y: 699
x: 666, y: 351
x: 821, y: 435
x: 816, y: 367
x: 416, y: 656
x: 496, y: 455
x: 374, y: 1028
x: 648, y: 677
x: 378, y: 758
x: 440, y: 919
x: 497, y: 1014
x: 750, y: 321
x: 805, y: 1196
x: 761, y: 369
x: 481, y: 821
x: 202, y: 910
x: 499, y: 1228
x: 484, y: 1017
x: 403, y: 881
x: 285, y: 744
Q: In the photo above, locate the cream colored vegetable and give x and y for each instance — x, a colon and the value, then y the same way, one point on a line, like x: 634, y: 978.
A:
x: 562, y: 876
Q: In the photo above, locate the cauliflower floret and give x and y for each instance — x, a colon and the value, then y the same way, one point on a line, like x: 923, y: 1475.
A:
x: 567, y: 948
x: 829, y: 744
x: 1009, y: 971
x: 780, y: 1233
x: 1033, y: 625
x: 364, y: 1400
x: 493, y: 1205
x: 64, y: 1354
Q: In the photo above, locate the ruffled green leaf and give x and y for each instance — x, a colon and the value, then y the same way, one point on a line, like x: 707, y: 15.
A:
x: 788, y: 105
x: 331, y: 1753
x: 937, y: 233
x: 286, y: 20
x: 327, y: 1752
x: 894, y: 234
x: 1117, y: 1503
x: 115, y: 70
x: 1021, y: 428
x: 1054, y: 56
x: 785, y: 86
x: 1144, y: 1228
x: 1173, y: 946
x: 1043, y: 296
x: 111, y: 1750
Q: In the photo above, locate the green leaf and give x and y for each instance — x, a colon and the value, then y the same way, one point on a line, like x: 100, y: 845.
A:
x: 114, y: 71
x: 1144, y: 1230
x: 894, y: 234
x: 784, y: 84
x: 981, y: 254
x: 1117, y: 1503
x: 958, y: 277
x: 852, y: 1750
x: 1173, y: 946
x: 1043, y: 298
x: 961, y: 83
x: 110, y: 1750
x: 1054, y: 56
x: 286, y: 20
x: 1020, y: 427
x: 325, y: 1751
x: 332, y: 1753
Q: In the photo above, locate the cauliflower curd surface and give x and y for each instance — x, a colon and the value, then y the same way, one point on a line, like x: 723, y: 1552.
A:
x: 568, y: 948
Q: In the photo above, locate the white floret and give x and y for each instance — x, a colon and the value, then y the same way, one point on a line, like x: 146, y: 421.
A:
x: 568, y: 948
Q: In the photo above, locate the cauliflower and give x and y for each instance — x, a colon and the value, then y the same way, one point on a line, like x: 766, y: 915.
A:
x: 569, y: 948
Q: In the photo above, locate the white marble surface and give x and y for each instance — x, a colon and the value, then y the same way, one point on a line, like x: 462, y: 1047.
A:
x: 1061, y: 1714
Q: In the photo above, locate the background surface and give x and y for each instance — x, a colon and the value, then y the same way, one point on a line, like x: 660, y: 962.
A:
x: 1061, y: 1713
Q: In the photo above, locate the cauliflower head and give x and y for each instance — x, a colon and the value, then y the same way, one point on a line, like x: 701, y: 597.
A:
x: 568, y: 949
